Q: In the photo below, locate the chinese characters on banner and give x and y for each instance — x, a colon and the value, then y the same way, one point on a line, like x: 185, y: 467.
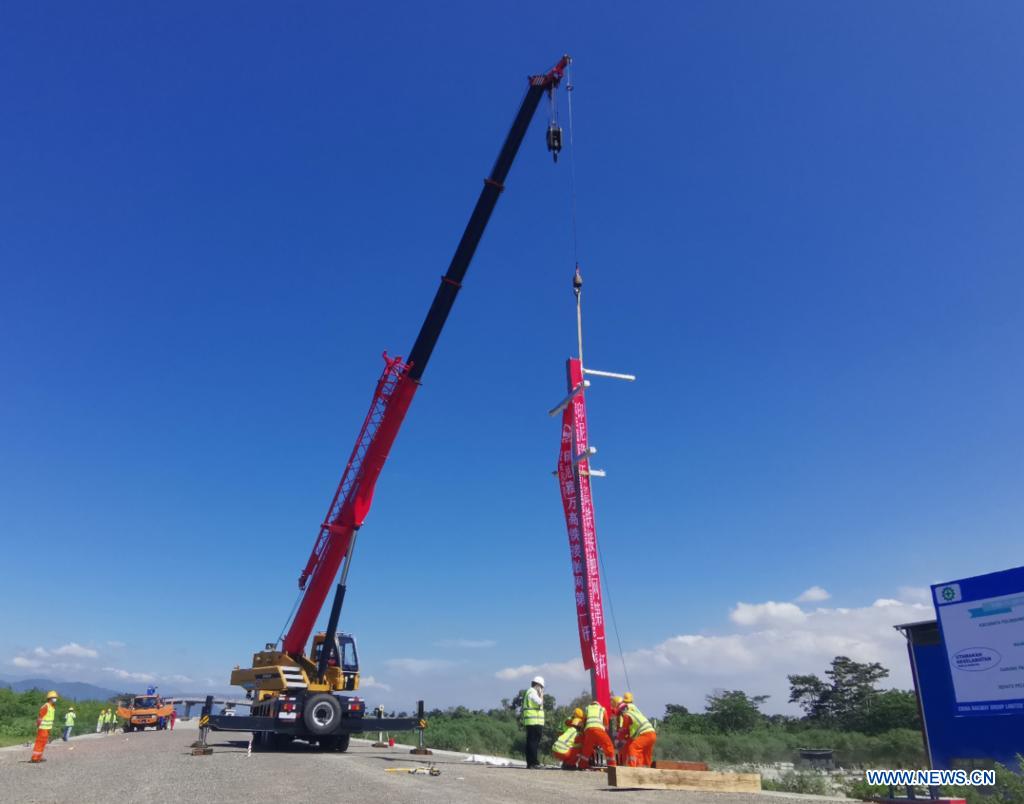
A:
x: 578, y: 505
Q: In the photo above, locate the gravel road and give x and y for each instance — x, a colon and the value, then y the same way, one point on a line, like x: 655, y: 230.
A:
x: 158, y: 767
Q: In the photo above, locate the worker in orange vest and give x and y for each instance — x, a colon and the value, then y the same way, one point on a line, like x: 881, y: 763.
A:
x: 637, y: 732
x: 595, y: 735
x: 44, y: 724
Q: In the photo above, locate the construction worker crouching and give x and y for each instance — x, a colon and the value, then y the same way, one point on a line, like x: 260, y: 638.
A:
x: 567, y: 747
x: 615, y: 727
x: 595, y: 735
x: 44, y: 723
x: 638, y: 733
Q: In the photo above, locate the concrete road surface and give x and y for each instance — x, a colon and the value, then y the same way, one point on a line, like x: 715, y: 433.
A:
x: 157, y: 767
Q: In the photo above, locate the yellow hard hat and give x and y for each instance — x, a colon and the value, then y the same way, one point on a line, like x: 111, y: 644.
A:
x: 52, y: 694
x: 616, y: 700
x: 576, y: 721
x: 627, y: 698
x: 577, y: 712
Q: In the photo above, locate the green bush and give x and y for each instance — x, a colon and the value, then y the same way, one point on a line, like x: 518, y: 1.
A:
x: 683, y: 746
x: 780, y: 742
x: 796, y: 782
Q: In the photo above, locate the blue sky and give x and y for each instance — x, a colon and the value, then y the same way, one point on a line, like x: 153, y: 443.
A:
x: 799, y: 225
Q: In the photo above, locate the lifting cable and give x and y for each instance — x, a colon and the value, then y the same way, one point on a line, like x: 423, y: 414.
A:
x: 579, y: 322
x: 572, y: 166
x: 288, y: 621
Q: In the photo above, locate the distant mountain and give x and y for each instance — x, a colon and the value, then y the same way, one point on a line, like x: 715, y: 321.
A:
x: 72, y: 690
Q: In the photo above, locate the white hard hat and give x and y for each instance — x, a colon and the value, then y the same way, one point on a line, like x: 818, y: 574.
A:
x: 538, y: 680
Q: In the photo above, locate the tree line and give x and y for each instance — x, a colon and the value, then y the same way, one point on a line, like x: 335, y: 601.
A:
x: 847, y: 699
x: 844, y: 711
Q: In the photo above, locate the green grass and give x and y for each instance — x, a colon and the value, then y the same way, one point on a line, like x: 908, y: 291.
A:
x: 18, y: 712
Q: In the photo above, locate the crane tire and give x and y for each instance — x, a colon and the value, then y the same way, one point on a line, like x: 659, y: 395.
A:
x: 321, y: 714
x: 338, y: 742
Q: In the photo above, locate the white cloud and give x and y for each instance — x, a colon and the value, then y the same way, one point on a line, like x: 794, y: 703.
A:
x: 466, y: 643
x: 70, y: 649
x: 916, y: 594
x: 773, y: 640
x: 178, y: 678
x: 116, y: 643
x: 127, y: 675
x: 370, y: 683
x: 21, y: 661
x: 571, y: 670
x: 74, y: 649
x: 416, y: 667
x: 886, y: 602
x: 813, y: 595
x: 766, y: 613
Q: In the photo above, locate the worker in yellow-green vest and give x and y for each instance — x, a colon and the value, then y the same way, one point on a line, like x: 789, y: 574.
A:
x: 532, y: 717
x: 44, y: 723
x: 69, y: 723
x: 638, y: 732
x: 595, y: 735
x: 567, y: 746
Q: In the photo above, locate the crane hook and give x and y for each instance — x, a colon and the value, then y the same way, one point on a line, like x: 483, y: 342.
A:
x: 554, y: 138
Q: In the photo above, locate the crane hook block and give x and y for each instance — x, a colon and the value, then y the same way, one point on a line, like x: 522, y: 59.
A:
x: 554, y: 139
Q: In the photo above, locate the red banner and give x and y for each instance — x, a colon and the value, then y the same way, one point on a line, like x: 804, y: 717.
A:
x: 577, y: 502
x: 570, y: 504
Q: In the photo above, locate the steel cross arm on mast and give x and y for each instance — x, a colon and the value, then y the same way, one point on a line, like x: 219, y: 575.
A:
x: 396, y: 388
x: 573, y: 473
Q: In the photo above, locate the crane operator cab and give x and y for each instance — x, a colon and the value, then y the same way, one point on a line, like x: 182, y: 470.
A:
x: 273, y: 671
x: 342, y: 669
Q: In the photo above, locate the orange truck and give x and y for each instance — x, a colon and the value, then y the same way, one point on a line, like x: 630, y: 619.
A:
x: 142, y: 711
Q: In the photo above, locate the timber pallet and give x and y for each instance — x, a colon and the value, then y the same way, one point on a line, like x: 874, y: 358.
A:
x: 662, y: 779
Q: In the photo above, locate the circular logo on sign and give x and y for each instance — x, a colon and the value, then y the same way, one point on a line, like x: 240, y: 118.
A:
x: 973, y: 660
x: 948, y: 593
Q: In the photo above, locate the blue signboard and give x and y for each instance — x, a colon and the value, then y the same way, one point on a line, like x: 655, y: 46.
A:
x: 982, y: 624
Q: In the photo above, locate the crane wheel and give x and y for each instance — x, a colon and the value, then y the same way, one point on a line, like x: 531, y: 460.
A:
x: 321, y: 714
x: 337, y: 743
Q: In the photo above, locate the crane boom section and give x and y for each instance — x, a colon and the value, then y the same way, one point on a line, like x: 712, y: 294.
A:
x: 397, y: 386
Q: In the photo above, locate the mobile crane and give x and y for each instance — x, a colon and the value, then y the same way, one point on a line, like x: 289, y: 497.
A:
x: 300, y: 695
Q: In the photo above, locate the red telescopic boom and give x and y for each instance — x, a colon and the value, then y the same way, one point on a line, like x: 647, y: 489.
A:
x: 395, y: 390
